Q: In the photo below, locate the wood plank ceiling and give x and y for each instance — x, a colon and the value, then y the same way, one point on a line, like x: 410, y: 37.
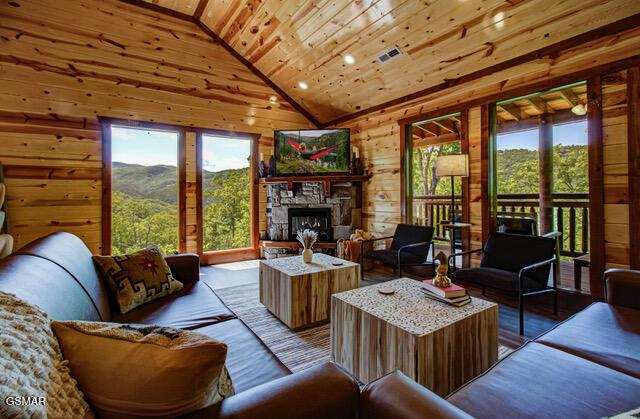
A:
x: 293, y: 41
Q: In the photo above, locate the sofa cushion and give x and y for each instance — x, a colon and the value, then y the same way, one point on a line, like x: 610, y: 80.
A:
x: 538, y: 381
x: 602, y: 333
x: 32, y: 366
x: 42, y: 283
x: 495, y: 278
x: 137, y: 278
x: 195, y: 305
x: 134, y: 371
x: 71, y: 254
x: 249, y: 361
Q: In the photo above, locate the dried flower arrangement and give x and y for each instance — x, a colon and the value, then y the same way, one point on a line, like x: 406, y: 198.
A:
x: 307, y: 238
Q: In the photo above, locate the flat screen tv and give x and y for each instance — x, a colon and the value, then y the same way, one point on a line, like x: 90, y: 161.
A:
x: 312, y: 152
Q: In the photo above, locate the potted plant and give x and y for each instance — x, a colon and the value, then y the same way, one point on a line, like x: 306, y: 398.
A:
x: 307, y: 238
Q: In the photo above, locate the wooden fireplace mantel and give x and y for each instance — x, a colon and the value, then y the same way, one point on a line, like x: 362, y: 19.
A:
x: 326, y: 180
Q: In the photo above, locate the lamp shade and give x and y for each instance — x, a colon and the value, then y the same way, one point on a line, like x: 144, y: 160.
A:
x: 452, y: 165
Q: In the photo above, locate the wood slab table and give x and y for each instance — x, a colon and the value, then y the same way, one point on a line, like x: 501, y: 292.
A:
x: 438, y: 345
x: 298, y: 293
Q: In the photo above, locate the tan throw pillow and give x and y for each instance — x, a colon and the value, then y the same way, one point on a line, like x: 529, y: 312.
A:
x: 133, y: 370
x: 137, y: 278
x: 34, y: 380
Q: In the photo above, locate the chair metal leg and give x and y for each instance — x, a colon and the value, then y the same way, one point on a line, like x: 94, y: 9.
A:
x: 399, y: 271
x: 521, y: 308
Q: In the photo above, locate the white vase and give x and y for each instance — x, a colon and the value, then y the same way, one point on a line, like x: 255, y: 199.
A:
x: 307, y: 255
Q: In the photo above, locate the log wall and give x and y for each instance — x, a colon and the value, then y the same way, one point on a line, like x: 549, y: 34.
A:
x: 58, y: 73
x: 377, y: 134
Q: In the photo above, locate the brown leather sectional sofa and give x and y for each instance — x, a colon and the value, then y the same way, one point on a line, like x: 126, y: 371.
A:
x: 588, y: 366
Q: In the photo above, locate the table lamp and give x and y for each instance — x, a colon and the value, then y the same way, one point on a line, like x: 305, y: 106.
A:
x: 452, y: 165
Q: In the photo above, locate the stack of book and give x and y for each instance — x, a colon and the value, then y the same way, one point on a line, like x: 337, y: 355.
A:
x: 453, y: 294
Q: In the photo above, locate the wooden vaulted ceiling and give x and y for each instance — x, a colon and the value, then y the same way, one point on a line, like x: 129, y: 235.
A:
x: 442, y: 41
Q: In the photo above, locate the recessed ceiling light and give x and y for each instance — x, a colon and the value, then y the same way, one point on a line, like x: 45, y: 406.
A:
x: 349, y: 59
x: 273, y: 99
x: 303, y: 85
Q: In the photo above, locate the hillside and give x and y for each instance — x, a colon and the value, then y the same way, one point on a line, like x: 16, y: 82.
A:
x: 158, y: 182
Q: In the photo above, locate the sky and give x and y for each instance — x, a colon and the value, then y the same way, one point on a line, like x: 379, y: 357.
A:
x: 566, y: 134
x: 145, y: 147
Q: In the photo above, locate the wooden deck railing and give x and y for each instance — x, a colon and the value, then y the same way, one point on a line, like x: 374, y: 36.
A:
x: 571, y: 215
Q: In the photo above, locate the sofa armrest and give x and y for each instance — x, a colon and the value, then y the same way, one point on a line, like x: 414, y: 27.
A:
x: 185, y: 267
x: 324, y: 391
x: 622, y: 287
x: 396, y: 396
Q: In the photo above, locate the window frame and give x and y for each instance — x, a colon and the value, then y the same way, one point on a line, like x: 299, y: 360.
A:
x: 107, y: 164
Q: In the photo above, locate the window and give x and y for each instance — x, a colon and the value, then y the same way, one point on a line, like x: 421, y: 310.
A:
x: 430, y: 195
x: 226, y: 192
x: 144, y: 189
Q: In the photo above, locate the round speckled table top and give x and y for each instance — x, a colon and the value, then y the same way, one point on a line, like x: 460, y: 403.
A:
x: 294, y: 265
x: 408, y: 308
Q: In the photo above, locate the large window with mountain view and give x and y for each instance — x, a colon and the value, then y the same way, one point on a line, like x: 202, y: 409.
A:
x: 226, y: 193
x: 144, y: 189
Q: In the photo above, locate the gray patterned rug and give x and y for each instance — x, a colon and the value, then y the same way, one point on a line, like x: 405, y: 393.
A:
x: 297, y: 350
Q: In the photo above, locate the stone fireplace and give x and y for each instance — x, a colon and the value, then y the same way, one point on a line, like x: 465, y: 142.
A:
x: 306, y: 205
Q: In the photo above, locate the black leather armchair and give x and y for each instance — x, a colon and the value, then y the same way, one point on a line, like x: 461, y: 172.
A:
x: 516, y: 263
x: 410, y: 246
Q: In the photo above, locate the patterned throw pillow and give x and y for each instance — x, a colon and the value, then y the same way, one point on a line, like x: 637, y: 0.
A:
x: 134, y: 370
x: 137, y: 278
x: 35, y: 381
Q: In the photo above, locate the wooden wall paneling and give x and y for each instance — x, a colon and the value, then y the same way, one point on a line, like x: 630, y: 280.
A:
x: 597, y: 198
x: 406, y: 177
x: 615, y: 171
x: 633, y: 139
x: 121, y: 62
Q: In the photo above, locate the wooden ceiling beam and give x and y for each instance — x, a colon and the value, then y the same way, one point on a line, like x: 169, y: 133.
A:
x: 540, y: 105
x: 513, y: 110
x: 423, y: 128
x: 570, y: 97
x: 532, y: 122
x: 440, y: 139
x: 446, y: 125
x: 183, y: 16
x: 202, y: 5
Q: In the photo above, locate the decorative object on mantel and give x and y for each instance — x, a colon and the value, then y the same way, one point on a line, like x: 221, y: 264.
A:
x: 263, y: 170
x: 356, y: 163
x: 441, y: 279
x: 6, y: 240
x: 272, y: 166
x: 307, y: 238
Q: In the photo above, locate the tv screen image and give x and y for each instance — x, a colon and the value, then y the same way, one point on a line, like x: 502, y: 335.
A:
x: 310, y: 152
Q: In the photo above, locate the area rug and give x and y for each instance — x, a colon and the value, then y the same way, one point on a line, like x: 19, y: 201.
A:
x: 297, y: 350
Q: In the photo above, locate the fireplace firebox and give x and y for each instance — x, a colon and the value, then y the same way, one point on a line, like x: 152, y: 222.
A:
x: 318, y: 219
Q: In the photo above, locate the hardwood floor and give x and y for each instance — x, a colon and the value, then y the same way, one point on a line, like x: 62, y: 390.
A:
x: 539, y: 316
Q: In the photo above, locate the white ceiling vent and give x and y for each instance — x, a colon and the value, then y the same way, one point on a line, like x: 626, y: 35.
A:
x: 392, y: 54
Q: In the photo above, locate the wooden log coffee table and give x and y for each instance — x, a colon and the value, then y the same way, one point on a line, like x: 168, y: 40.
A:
x: 299, y: 293
x: 438, y: 345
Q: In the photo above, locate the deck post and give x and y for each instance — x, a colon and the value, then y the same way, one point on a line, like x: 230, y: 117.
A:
x: 545, y: 167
